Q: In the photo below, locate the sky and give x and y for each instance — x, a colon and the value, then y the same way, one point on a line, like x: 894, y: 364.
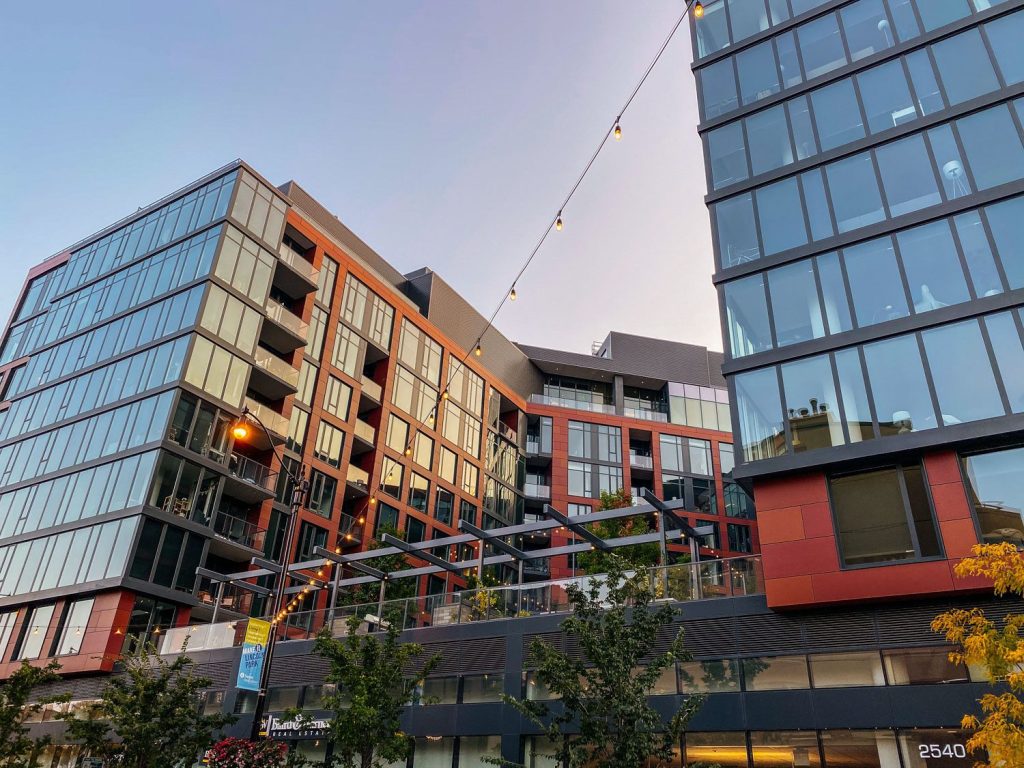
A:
x: 445, y: 133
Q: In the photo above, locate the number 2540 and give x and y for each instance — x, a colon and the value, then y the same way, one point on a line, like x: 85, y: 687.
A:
x: 941, y: 750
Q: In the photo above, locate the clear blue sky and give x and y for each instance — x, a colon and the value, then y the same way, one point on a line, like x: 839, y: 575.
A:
x: 444, y: 132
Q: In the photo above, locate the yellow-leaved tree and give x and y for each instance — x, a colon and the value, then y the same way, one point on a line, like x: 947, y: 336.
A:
x: 999, y: 650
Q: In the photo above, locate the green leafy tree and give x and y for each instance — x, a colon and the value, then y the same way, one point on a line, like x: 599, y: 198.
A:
x: 17, y: 748
x: 149, y: 714
x: 638, y: 555
x: 396, y: 590
x: 604, y: 716
x: 373, y: 681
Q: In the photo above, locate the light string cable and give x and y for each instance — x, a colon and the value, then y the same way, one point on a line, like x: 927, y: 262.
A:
x: 556, y: 223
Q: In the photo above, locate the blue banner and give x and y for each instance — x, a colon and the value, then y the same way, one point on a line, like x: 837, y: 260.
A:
x: 254, y: 650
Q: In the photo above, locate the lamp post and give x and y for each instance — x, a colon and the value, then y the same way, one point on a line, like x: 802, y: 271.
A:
x: 299, y: 488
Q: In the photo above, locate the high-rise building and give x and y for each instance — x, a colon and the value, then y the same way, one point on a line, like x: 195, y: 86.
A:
x: 865, y: 168
x: 131, y: 355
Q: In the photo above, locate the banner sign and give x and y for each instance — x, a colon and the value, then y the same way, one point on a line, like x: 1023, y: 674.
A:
x: 254, y: 649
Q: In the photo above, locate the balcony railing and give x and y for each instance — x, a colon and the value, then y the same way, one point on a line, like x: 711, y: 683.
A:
x: 350, y: 531
x: 372, y: 388
x: 239, y: 531
x: 275, y: 366
x: 286, y: 318
x: 251, y: 471
x: 298, y: 264
x: 537, y: 491
x: 273, y: 420
x: 641, y: 462
x: 364, y: 431
x: 644, y: 414
x: 578, y: 405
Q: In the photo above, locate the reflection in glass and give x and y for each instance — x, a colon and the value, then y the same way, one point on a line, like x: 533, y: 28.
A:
x: 952, y: 350
x: 980, y: 262
x: 1006, y: 345
x: 863, y: 749
x: 855, y: 396
x: 950, y: 743
x: 816, y: 205
x: 837, y: 114
x: 737, y: 239
x: 922, y: 76
x: 811, y: 403
x: 1005, y: 35
x: 939, y: 14
x: 898, y: 386
x: 760, y: 414
x: 886, y: 96
x: 795, y: 307
x: 772, y: 749
x: 747, y: 18
x: 718, y: 84
x: 821, y: 46
x: 922, y: 666
x: 907, y: 176
x: 932, y: 266
x: 833, y: 289
x: 780, y: 213
x: 728, y: 750
x: 871, y: 518
x: 904, y: 19
x: 789, y: 63
x: 875, y: 282
x: 758, y: 76
x: 855, y: 196
x: 728, y: 155
x: 747, y: 311
x: 803, y: 131
x: 712, y: 32
x: 846, y: 670
x: 775, y: 673
x: 1006, y: 220
x: 867, y: 28
x: 768, y: 134
x: 993, y: 146
x: 995, y: 485
x: 964, y: 66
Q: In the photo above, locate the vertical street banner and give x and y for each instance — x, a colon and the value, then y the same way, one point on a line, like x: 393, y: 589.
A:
x: 254, y: 650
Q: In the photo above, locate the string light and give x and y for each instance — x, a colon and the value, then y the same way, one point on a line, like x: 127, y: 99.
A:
x: 558, y: 221
x: 512, y: 293
x: 479, y: 350
x: 617, y: 131
x: 698, y: 10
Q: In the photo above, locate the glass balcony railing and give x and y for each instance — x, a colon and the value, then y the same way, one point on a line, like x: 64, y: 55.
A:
x: 372, y: 388
x: 275, y: 366
x: 645, y: 415
x: 271, y: 419
x: 364, y: 431
x: 537, y: 491
x: 251, y: 471
x: 579, y: 405
x: 203, y: 637
x: 641, y: 462
x: 298, y: 264
x: 287, y: 319
x: 239, y: 531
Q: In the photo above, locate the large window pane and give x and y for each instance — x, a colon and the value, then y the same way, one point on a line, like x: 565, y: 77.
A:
x: 887, y: 99
x: 1006, y: 345
x: 952, y: 350
x: 907, y: 176
x: 951, y: 166
x: 821, y: 46
x: 728, y: 155
x: 768, y: 135
x: 948, y: 742
x: 803, y: 130
x: 898, y: 386
x: 795, y: 306
x: 1006, y: 219
x: 846, y: 670
x: 737, y: 238
x: 871, y: 517
x: 775, y: 673
x: 760, y: 414
x: 780, y: 212
x: 980, y: 262
x: 717, y: 83
x: 816, y: 204
x: 833, y: 289
x: 922, y: 666
x: 875, y: 282
x: 747, y: 311
x: 863, y: 749
x: 932, y: 266
x: 713, y: 31
x: 855, y: 196
x: 747, y: 18
x: 939, y: 13
x: 993, y: 147
x: 837, y: 115
x: 855, y: 396
x: 772, y: 749
x: 811, y: 404
x: 1005, y: 37
x: 758, y: 75
x: 904, y: 19
x: 922, y: 75
x: 964, y: 66
x: 728, y: 750
x: 789, y: 62
x: 995, y: 484
x: 867, y: 28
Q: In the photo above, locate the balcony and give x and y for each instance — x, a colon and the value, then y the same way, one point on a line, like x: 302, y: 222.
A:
x: 272, y: 377
x: 577, y: 405
x: 283, y: 329
x: 249, y: 480
x: 645, y: 415
x: 507, y: 432
x: 271, y: 419
x: 371, y: 394
x: 364, y: 435
x: 294, y: 275
x: 638, y: 461
x: 239, y: 531
x: 537, y: 491
x: 357, y: 480
x: 350, y: 532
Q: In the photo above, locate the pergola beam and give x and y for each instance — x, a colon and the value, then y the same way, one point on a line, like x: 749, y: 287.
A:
x: 494, y: 541
x: 422, y: 554
x: 582, y: 531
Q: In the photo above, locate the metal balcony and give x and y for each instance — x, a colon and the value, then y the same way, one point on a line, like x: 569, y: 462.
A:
x: 283, y: 329
x: 239, y: 531
x: 272, y: 377
x: 574, y: 404
x: 364, y: 435
x: 294, y: 275
x: 249, y: 480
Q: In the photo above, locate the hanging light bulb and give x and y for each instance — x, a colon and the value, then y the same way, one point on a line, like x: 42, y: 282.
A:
x: 408, y: 451
x: 362, y: 520
x: 479, y: 350
x: 698, y: 10
x: 373, y: 500
x: 512, y: 294
x: 240, y: 430
x: 444, y: 395
x: 617, y: 132
x: 558, y: 221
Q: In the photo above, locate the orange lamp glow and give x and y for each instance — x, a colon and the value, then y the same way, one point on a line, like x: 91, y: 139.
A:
x: 240, y: 430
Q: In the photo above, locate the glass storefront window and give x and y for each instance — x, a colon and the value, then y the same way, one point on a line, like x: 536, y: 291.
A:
x: 863, y: 749
x: 775, y: 673
x: 922, y: 666
x: 846, y: 670
x: 782, y: 749
x: 936, y: 748
x: 721, y: 748
x: 719, y: 676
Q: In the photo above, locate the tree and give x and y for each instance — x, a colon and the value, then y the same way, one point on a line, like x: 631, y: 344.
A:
x: 638, y: 555
x: 149, y: 714
x: 604, y: 717
x: 16, y: 746
x: 243, y: 753
x: 997, y: 649
x: 374, y: 677
x: 397, y: 589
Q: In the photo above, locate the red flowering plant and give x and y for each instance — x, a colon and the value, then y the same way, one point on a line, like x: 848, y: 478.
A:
x: 243, y: 753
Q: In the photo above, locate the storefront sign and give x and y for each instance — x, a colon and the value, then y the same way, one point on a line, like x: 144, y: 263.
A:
x: 254, y: 650
x: 274, y: 728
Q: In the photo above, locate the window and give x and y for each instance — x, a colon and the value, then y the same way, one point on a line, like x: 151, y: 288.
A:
x: 728, y: 750
x: 768, y: 134
x: 795, y: 306
x: 34, y: 632
x: 467, y: 511
x: 1007, y: 222
x: 310, y: 537
x: 712, y: 32
x: 951, y: 350
x: 718, y: 80
x: 347, y: 351
x: 837, y: 115
x: 317, y: 330
x: 932, y: 265
x: 728, y: 155
x: 821, y: 46
x: 978, y: 253
x: 391, y: 477
x: 297, y: 424
x: 447, y: 463
x: 470, y: 478
x: 859, y: 424
x: 595, y: 441
x: 73, y: 628
x: 907, y: 176
x: 803, y: 130
x: 886, y: 96
x: 855, y: 196
x: 995, y: 485
x: 760, y: 414
x: 423, y: 450
x: 866, y: 27
x: 337, y: 398
x: 573, y: 510
x: 883, y: 516
x: 1004, y: 35
x: 781, y: 215
x: 811, y: 404
x: 419, y: 353
x: 922, y: 666
x: 935, y: 15
x: 329, y: 442
x: 777, y: 748
x: 419, y: 491
x: 387, y: 519
x: 322, y: 491
x: 709, y: 676
x: 591, y: 480
x: 759, y: 77
x: 1009, y: 353
x: 747, y: 310
x: 6, y: 628
x: 993, y: 146
x: 415, y: 530
x: 898, y: 385
x: 737, y: 239
x: 833, y: 290
x: 739, y: 538
x: 444, y: 505
x: 397, y: 438
x: 846, y: 670
x: 922, y: 76
x: 964, y: 66
x: 777, y: 673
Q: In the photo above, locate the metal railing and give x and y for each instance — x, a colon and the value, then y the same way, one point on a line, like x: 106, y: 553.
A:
x: 371, y: 388
x: 239, y: 531
x: 364, y: 431
x: 273, y: 420
x: 645, y: 415
x: 578, y: 405
x: 297, y: 263
x: 283, y: 316
x: 275, y: 366
x: 251, y: 471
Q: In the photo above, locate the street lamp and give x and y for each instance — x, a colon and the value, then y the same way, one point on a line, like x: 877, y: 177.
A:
x: 241, y: 430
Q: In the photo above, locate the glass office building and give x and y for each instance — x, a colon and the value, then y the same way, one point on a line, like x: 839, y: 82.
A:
x: 865, y: 168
